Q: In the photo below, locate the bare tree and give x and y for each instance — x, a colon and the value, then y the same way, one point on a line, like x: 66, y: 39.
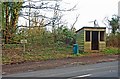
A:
x: 112, y: 23
x: 52, y: 21
x: 73, y: 25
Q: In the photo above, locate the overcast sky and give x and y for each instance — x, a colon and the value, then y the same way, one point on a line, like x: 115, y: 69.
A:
x: 89, y: 10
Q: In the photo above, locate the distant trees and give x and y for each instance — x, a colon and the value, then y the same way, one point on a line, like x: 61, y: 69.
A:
x: 54, y: 20
x: 112, y: 23
x: 114, y: 37
x: 12, y: 10
x: 65, y: 35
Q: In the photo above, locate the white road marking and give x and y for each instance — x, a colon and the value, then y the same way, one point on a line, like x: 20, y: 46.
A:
x: 54, y: 74
x: 80, y: 76
x: 58, y: 74
x: 85, y: 75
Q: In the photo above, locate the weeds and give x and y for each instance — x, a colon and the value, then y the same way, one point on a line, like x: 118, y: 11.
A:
x: 111, y: 50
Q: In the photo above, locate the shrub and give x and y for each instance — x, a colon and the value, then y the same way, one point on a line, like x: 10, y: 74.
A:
x: 113, y: 40
x: 111, y: 50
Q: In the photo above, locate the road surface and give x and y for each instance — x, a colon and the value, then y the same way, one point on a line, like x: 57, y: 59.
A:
x: 105, y: 69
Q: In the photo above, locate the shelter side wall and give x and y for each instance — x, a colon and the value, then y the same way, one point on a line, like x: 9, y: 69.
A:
x: 80, y: 40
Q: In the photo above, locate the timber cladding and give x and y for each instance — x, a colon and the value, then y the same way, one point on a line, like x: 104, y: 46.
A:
x: 91, y: 39
x: 80, y: 40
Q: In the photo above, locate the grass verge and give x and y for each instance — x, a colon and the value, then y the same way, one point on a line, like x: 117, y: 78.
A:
x: 111, y: 50
x: 15, y: 54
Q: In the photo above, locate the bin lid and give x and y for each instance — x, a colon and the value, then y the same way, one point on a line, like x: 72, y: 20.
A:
x: 75, y: 44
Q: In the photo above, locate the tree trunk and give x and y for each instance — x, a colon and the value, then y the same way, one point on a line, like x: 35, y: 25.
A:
x: 14, y: 22
x: 7, y: 25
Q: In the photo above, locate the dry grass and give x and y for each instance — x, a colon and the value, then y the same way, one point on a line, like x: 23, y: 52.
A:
x: 35, y: 53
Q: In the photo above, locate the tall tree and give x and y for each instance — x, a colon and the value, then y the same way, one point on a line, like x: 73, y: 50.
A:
x: 114, y: 23
x: 7, y: 22
x: 11, y: 11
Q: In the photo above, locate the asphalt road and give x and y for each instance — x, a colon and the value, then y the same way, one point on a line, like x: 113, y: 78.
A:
x: 106, y: 69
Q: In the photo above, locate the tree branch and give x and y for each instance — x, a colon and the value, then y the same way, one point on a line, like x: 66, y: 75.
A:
x: 75, y: 22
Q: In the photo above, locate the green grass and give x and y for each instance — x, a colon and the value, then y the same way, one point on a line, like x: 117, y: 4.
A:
x: 111, y: 50
x: 36, y: 53
x: 9, y: 46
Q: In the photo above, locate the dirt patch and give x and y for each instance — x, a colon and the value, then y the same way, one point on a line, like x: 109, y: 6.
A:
x: 39, y: 65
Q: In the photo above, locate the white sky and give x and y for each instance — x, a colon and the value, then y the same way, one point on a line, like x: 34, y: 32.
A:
x: 89, y: 10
